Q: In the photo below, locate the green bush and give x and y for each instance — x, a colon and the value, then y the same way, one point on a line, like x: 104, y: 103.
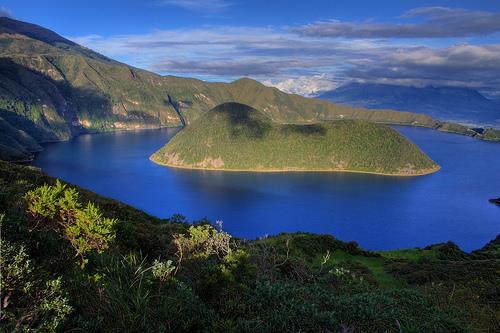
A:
x: 29, y: 302
x: 90, y: 230
x: 289, y: 307
x: 202, y: 241
x: 57, y: 208
x: 162, y: 270
x: 43, y: 202
x: 393, y: 311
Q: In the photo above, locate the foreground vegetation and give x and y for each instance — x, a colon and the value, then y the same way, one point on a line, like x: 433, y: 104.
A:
x: 74, y: 261
x: 235, y: 136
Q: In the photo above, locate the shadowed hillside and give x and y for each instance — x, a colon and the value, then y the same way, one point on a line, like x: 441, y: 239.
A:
x: 234, y: 136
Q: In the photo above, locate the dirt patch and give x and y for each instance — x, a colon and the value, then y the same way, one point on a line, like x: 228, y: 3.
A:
x: 409, y: 169
x: 210, y: 162
x: 173, y: 159
x: 338, y: 164
x: 209, y: 142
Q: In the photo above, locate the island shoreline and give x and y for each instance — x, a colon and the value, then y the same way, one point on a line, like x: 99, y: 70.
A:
x: 434, y: 170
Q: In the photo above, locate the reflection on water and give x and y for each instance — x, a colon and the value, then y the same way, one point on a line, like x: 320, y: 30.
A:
x: 376, y: 211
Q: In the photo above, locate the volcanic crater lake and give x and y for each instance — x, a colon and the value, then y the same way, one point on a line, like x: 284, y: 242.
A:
x: 378, y: 212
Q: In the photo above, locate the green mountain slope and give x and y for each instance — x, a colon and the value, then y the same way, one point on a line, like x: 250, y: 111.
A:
x: 15, y: 144
x: 234, y: 136
x: 63, y: 89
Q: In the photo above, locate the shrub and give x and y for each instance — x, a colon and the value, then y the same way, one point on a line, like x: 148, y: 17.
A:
x: 292, y: 307
x: 57, y: 208
x: 393, y: 311
x: 237, y: 267
x: 43, y: 202
x: 202, y: 241
x: 90, y: 230
x: 28, y: 302
x: 286, y: 307
x: 162, y: 270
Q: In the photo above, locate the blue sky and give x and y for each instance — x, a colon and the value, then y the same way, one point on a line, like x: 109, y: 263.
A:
x: 299, y: 46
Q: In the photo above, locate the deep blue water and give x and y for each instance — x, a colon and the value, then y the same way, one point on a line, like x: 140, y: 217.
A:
x: 376, y: 211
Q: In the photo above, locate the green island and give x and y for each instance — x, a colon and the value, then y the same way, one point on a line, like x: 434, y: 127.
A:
x: 74, y: 261
x: 237, y: 137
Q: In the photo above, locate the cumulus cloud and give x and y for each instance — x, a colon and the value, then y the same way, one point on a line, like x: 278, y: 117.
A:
x: 4, y: 12
x: 198, y: 5
x: 459, y: 65
x: 207, y: 49
x: 308, y: 86
x: 206, y: 40
x: 224, y: 67
x: 438, y: 22
x: 462, y: 65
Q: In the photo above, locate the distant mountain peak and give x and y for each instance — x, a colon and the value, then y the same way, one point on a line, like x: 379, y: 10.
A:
x: 428, y: 88
x: 247, y: 80
x: 450, y: 103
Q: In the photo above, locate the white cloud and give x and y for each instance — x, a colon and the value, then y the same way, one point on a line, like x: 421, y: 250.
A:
x: 438, y: 22
x: 5, y: 12
x: 462, y: 65
x: 308, y: 86
x: 177, y: 50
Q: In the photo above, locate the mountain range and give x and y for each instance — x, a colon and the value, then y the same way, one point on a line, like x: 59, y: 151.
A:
x: 52, y: 89
x: 454, y: 104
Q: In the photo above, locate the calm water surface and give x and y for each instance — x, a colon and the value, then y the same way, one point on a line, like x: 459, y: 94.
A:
x: 376, y: 211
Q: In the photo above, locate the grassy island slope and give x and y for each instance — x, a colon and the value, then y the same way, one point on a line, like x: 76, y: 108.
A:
x: 236, y: 137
